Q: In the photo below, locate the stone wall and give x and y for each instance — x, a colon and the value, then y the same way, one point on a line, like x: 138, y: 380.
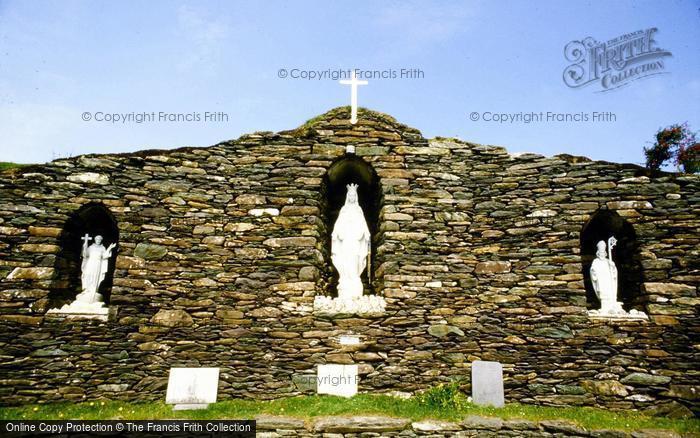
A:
x: 477, y: 253
x: 272, y: 426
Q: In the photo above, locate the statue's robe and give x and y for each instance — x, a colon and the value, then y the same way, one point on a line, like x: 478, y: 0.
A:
x: 94, y: 268
x: 604, y: 279
x: 350, y: 247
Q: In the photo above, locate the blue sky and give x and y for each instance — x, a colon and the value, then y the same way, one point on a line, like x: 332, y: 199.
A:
x: 59, y: 59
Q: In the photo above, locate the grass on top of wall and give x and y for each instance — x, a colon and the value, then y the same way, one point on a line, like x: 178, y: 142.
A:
x: 5, y: 165
x: 415, y: 408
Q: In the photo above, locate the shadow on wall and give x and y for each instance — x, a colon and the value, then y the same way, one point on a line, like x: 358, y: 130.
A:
x: 626, y: 255
x: 345, y: 170
x: 93, y: 219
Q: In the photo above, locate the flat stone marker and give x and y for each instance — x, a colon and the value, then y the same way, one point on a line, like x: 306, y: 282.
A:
x: 192, y: 388
x: 487, y: 383
x: 338, y: 380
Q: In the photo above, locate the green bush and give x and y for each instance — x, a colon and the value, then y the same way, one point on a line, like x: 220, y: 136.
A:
x: 444, y: 396
x: 678, y: 143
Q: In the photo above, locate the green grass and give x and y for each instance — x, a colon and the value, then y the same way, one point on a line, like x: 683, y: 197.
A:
x: 5, y: 165
x: 311, y: 406
x: 344, y: 109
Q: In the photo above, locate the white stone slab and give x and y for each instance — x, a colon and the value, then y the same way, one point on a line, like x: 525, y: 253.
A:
x: 336, y: 379
x: 349, y: 340
x: 487, y: 383
x: 192, y: 388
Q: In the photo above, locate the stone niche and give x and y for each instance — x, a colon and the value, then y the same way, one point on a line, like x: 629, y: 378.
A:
x: 351, y: 169
x: 602, y: 225
x: 93, y: 219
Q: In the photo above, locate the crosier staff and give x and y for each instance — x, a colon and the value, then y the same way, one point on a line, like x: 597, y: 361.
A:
x: 612, y: 241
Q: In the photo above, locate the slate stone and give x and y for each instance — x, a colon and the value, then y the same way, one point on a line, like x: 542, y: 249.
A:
x: 150, y: 252
x: 485, y: 423
x: 644, y: 379
x: 273, y: 422
x: 562, y: 426
x: 172, y: 318
x: 365, y: 424
x: 561, y: 332
x: 442, y: 330
x: 49, y: 352
x: 304, y: 382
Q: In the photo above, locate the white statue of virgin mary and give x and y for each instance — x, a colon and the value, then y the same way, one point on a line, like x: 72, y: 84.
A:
x: 350, y: 252
x: 350, y: 245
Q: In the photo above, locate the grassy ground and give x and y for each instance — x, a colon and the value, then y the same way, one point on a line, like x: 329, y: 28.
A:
x: 311, y: 406
x: 4, y: 165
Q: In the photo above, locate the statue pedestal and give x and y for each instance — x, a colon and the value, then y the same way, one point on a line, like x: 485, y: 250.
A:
x: 618, y: 315
x: 79, y: 310
x: 364, y: 305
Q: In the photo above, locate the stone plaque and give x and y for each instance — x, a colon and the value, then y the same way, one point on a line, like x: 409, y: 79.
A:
x: 192, y: 388
x: 487, y: 383
x: 337, y: 380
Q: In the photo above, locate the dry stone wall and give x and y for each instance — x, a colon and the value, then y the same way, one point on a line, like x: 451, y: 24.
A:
x: 272, y: 426
x: 477, y: 253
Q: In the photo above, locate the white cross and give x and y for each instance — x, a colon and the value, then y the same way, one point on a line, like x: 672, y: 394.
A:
x: 86, y: 238
x: 353, y: 82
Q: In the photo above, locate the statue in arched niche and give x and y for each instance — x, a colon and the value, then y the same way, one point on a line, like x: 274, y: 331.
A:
x: 350, y: 245
x: 95, y: 262
x: 350, y: 254
x: 604, y: 277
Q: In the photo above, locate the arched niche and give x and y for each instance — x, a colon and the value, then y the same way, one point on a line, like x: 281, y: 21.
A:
x: 602, y: 225
x: 94, y: 219
x: 346, y: 170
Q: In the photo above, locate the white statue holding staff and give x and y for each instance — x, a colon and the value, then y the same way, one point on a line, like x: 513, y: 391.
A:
x: 604, y: 278
x: 93, y: 269
x: 89, y: 302
x: 350, y: 246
